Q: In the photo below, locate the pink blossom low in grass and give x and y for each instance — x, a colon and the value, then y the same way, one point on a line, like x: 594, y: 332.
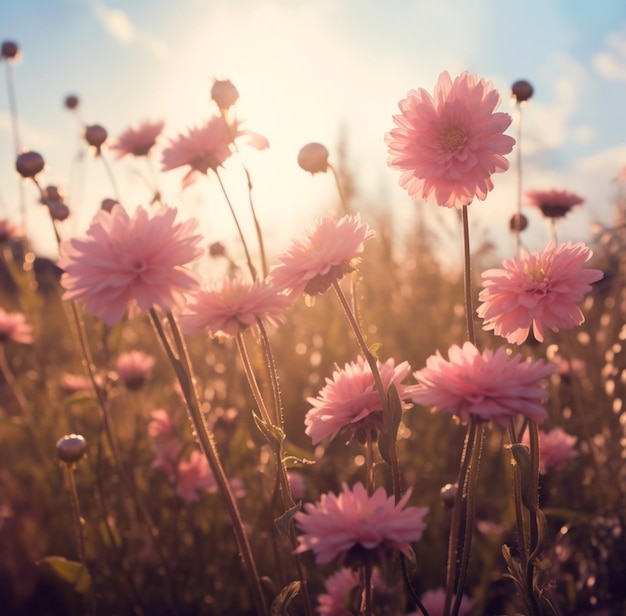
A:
x: 537, y: 291
x: 448, y: 145
x: 488, y: 385
x: 350, y: 400
x: 160, y: 426
x: 338, y: 588
x: 324, y: 255
x: 130, y: 263
x: 138, y: 140
x: 133, y: 368
x: 435, y: 600
x: 354, y: 521
x: 194, y: 477
x: 553, y: 203
x: 229, y: 306
x: 13, y: 326
x: 556, y: 448
x: 9, y: 231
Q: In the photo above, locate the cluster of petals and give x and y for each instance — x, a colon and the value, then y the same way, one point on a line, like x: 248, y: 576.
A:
x: 194, y: 476
x: 338, y: 587
x: 350, y: 398
x: 133, y: 367
x: 434, y: 601
x: 13, y: 326
x: 206, y: 147
x: 448, y: 145
x: 488, y: 385
x: 556, y: 448
x: 553, y: 203
x: 130, y: 263
x: 138, y: 140
x: 353, y: 519
x: 73, y: 383
x: 161, y: 425
x: 537, y: 291
x: 231, y: 305
x: 324, y: 255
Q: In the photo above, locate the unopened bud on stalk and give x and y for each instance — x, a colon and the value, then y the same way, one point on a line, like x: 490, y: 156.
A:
x: 95, y: 136
x: 71, y: 101
x: 71, y: 448
x: 518, y: 223
x: 29, y: 163
x: 217, y: 249
x: 448, y: 494
x: 10, y: 49
x: 521, y: 91
x: 224, y: 93
x: 313, y: 157
x: 108, y: 204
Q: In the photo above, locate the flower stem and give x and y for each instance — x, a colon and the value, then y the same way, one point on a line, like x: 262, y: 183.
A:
x: 182, y: 367
x: 342, y: 195
x: 76, y: 516
x: 10, y: 380
x: 467, y: 276
x: 109, y: 172
x: 518, y: 231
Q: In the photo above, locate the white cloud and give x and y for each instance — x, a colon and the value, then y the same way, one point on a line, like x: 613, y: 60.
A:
x: 115, y: 22
x: 611, y: 62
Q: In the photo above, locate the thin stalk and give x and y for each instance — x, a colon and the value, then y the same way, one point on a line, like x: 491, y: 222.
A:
x: 182, y: 367
x: 519, y: 514
x: 109, y: 172
x: 342, y: 195
x: 10, y: 380
x: 271, y: 366
x: 373, y: 364
x: 251, y: 267
x: 518, y: 233
x: 158, y: 197
x: 467, y: 276
x: 366, y: 577
x: 76, y: 516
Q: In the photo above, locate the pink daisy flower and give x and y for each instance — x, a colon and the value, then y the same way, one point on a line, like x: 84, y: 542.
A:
x: 133, y: 368
x: 230, y: 306
x: 160, y: 426
x: 448, y: 145
x: 13, y: 326
x: 194, y: 477
x: 338, y: 588
x: 73, y: 383
x: 553, y: 203
x: 490, y: 385
x: 556, y: 448
x: 355, y: 521
x: 131, y: 264
x: 138, y: 140
x: 435, y: 601
x: 536, y: 291
x: 326, y: 254
x: 350, y: 400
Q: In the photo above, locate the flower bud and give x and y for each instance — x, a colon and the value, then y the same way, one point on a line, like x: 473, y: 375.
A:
x: 518, y: 223
x: 10, y: 49
x: 522, y: 91
x: 58, y: 210
x: 29, y: 163
x: 448, y: 494
x: 217, y: 249
x: 95, y: 135
x: 71, y: 448
x: 224, y: 93
x: 313, y: 157
x: 108, y: 204
x: 71, y: 101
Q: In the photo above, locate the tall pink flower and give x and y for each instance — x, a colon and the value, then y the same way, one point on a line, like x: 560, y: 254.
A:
x: 448, y: 145
x: 554, y: 203
x: 131, y: 264
x: 536, y: 291
x: 556, y: 448
x: 353, y: 520
x: 326, y: 254
x: 133, y: 368
x: 350, y: 400
x: 138, y: 140
x: 229, y: 306
x: 490, y: 385
x: 13, y: 326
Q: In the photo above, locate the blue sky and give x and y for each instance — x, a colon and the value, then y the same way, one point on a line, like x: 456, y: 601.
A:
x: 306, y: 70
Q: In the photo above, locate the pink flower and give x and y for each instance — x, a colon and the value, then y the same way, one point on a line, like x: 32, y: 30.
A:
x: 229, y: 306
x: 130, y: 263
x: 133, y: 368
x: 166, y: 453
x: 194, y: 476
x: 537, y: 290
x: 324, y: 255
x: 434, y: 601
x: 622, y: 174
x: 9, y: 231
x: 350, y: 399
x: 160, y: 426
x: 338, y: 588
x: 73, y: 383
x: 13, y: 326
x: 138, y: 140
x: 337, y: 524
x: 555, y: 448
x: 448, y: 145
x: 490, y: 385
x: 553, y: 203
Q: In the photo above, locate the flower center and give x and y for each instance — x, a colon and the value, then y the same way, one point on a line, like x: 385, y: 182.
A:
x: 453, y: 139
x: 537, y: 273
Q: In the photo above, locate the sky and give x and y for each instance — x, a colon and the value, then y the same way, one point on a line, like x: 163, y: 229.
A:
x: 313, y: 71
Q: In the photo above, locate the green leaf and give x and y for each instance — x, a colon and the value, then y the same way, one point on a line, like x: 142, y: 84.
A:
x: 280, y: 605
x: 521, y: 459
x: 391, y: 423
x: 274, y: 435
x: 73, y: 573
x: 282, y: 523
x: 373, y: 349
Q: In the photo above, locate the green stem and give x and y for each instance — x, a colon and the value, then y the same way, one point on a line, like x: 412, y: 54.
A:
x: 182, y: 367
x: 467, y: 276
x: 8, y: 376
x: 109, y: 172
x: 76, y: 516
x: 519, y: 513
